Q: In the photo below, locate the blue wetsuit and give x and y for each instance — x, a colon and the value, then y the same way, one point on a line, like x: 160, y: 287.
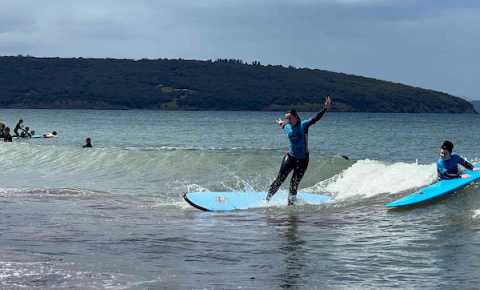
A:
x: 448, y: 169
x: 298, y: 136
x: 297, y: 157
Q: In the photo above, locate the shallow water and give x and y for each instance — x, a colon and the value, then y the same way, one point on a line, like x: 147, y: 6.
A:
x: 112, y: 217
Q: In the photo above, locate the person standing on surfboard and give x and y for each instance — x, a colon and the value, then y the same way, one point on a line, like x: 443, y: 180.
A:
x: 297, y: 157
x: 447, y: 165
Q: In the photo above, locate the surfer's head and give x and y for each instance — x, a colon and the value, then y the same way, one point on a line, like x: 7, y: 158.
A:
x: 446, y: 150
x: 292, y: 117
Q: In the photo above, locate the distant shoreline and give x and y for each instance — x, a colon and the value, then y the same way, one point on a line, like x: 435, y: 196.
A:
x: 194, y: 85
x: 246, y: 111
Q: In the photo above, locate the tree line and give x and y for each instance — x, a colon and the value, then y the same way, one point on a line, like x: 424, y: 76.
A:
x: 222, y: 84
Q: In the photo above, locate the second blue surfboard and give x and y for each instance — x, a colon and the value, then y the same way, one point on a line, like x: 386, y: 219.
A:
x: 436, y: 190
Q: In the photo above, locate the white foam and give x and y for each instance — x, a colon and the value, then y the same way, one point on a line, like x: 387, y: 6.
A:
x: 4, y: 192
x: 368, y: 178
x: 196, y: 188
x: 239, y: 185
x: 476, y: 214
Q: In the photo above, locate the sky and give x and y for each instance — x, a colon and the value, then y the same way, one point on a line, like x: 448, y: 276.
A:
x: 427, y: 43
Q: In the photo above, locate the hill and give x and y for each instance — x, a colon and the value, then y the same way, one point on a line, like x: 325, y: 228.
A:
x: 173, y: 84
x: 476, y: 105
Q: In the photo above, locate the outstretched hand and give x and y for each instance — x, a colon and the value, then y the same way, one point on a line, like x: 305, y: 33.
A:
x: 465, y: 176
x: 328, y: 103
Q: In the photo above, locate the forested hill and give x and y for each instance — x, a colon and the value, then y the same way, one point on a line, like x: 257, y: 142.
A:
x: 476, y: 104
x: 28, y: 82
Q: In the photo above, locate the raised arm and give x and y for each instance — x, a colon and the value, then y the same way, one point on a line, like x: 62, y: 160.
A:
x: 319, y: 115
x: 281, y: 123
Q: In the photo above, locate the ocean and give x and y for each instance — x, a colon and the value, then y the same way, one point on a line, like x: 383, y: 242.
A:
x: 112, y: 217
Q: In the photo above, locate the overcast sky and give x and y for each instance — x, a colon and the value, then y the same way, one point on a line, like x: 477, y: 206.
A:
x: 429, y: 43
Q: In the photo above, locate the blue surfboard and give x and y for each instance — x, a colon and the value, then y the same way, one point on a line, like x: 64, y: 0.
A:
x: 228, y: 201
x: 436, y: 190
x: 26, y: 138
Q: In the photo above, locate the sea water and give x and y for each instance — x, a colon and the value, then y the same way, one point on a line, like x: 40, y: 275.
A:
x: 112, y: 217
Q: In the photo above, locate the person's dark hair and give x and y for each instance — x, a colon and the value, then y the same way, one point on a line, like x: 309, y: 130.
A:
x: 294, y: 113
x: 447, y: 145
x: 20, y: 121
x: 54, y: 133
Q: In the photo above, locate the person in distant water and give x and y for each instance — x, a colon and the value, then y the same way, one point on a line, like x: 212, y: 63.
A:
x: 26, y: 133
x: 50, y: 135
x: 6, y: 135
x: 2, y: 129
x: 88, y: 143
x: 19, y: 126
x: 297, y: 157
x: 447, y: 165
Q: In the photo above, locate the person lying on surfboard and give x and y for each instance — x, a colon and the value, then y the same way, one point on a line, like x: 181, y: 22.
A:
x: 297, y: 157
x: 50, y: 134
x: 447, y: 165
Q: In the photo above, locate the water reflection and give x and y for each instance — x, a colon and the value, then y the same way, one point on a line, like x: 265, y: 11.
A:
x: 292, y: 248
x: 456, y: 250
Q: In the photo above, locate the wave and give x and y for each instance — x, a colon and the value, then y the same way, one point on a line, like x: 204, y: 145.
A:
x: 163, y: 175
x: 199, y: 148
x: 28, y: 161
x: 368, y: 178
x: 4, y: 192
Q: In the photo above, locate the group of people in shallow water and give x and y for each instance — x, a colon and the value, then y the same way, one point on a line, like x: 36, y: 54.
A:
x: 20, y: 131
x: 297, y: 157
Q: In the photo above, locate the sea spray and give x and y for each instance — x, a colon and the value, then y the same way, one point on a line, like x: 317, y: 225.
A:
x: 368, y: 178
x: 476, y: 214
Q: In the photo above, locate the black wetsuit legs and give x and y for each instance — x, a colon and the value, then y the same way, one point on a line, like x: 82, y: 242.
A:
x: 298, y: 173
x: 289, y: 163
